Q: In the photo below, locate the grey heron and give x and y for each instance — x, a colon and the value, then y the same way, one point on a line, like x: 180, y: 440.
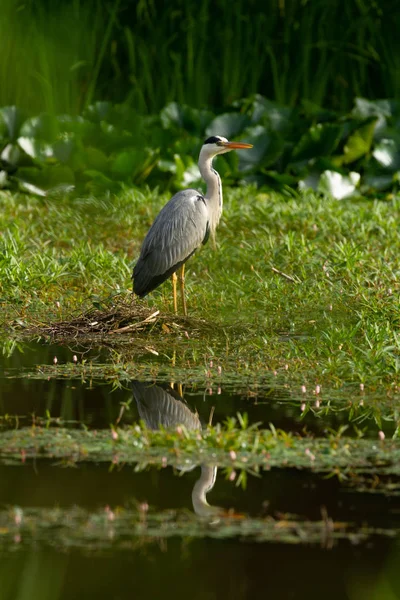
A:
x: 158, y: 407
x: 183, y: 225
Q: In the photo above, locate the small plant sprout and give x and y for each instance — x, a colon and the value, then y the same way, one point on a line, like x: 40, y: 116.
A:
x: 302, y: 407
x: 317, y: 389
x: 232, y: 475
x: 361, y: 387
x: 233, y: 455
x: 219, y: 369
x: 303, y: 389
x: 75, y: 359
x: 55, y: 360
x: 381, y: 435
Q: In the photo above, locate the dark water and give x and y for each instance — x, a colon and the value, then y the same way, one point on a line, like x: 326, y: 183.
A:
x: 202, y: 568
x: 205, y: 569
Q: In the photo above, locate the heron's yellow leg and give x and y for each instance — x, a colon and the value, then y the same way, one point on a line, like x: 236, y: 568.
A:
x: 175, y: 300
x: 181, y: 277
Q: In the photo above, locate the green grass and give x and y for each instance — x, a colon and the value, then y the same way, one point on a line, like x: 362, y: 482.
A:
x: 337, y: 322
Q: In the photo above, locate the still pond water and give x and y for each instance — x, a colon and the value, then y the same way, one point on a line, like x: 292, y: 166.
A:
x: 56, y: 567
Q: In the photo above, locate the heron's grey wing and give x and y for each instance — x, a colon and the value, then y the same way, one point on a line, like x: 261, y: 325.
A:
x: 179, y: 229
x: 159, y: 408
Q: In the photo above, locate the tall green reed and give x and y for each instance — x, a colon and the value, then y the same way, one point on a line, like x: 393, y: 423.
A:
x: 60, y: 56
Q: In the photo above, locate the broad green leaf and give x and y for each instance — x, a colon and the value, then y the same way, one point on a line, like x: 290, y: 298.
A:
x: 320, y: 140
x: 171, y: 115
x: 63, y: 149
x: 228, y: 125
x: 371, y: 108
x: 280, y: 178
x: 387, y: 154
x: 98, y: 182
x: 311, y: 181
x: 44, y: 127
x: 52, y: 176
x: 272, y: 115
x: 316, y: 112
x: 267, y: 148
x: 337, y: 185
x: 11, y: 154
x: 36, y: 149
x: 99, y: 111
x: 377, y: 181
x: 126, y: 163
x: 95, y: 159
x: 12, y: 119
x: 359, y: 142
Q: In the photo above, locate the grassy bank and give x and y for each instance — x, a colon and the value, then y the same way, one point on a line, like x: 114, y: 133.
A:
x: 298, y: 283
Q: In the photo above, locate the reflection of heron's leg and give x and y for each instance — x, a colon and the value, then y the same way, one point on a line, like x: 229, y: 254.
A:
x: 181, y: 277
x: 174, y: 278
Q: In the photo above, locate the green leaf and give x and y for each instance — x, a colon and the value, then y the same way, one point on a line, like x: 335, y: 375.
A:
x: 11, y: 154
x: 36, y: 149
x: 228, y: 125
x: 12, y: 119
x: 63, y: 149
x: 271, y: 114
x: 267, y: 148
x: 126, y: 163
x: 387, y: 155
x: 95, y: 159
x: 364, y: 108
x: 99, y: 111
x: 379, y: 182
x: 44, y: 127
x: 320, y: 140
x: 359, y: 142
x: 337, y: 185
x: 47, y: 178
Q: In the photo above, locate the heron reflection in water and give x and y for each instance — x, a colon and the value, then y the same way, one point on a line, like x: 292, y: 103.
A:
x: 158, y: 407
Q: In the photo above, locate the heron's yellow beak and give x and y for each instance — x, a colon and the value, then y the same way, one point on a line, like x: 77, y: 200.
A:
x: 236, y: 145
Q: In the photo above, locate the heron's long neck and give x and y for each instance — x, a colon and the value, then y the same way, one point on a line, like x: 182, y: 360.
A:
x: 214, y: 190
x: 203, y: 485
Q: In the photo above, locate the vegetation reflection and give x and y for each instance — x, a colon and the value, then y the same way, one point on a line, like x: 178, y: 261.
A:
x: 160, y: 408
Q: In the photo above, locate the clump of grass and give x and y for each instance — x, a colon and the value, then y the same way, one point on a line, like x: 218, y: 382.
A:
x: 236, y: 445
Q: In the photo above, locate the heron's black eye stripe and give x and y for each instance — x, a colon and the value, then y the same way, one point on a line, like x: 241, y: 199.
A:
x: 213, y: 140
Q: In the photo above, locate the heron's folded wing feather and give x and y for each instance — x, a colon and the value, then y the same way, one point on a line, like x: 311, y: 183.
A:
x: 178, y: 230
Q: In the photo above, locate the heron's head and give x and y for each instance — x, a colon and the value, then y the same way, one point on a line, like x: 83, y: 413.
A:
x: 219, y: 145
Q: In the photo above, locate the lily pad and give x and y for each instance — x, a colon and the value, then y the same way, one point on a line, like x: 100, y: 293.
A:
x: 267, y: 148
x: 44, y: 127
x: 36, y: 149
x: 228, y: 125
